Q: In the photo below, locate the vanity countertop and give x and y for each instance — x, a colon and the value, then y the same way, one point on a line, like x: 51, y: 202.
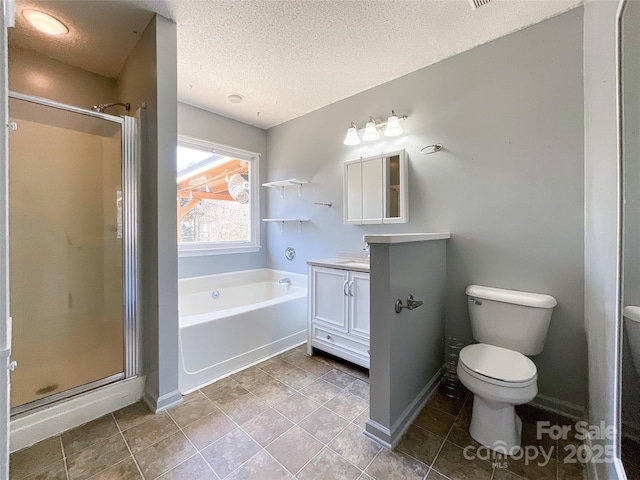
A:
x: 394, y: 238
x: 341, y: 263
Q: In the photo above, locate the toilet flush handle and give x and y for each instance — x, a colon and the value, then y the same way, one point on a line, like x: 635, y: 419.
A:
x: 475, y: 301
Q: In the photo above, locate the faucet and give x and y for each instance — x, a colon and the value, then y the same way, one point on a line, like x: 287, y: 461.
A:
x: 286, y: 280
x: 367, y: 248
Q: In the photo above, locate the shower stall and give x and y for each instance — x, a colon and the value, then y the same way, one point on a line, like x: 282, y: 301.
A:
x: 73, y: 274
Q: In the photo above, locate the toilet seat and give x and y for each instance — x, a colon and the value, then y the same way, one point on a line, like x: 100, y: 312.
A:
x: 497, y: 365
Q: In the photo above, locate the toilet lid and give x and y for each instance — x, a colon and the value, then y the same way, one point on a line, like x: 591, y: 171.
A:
x: 498, y: 363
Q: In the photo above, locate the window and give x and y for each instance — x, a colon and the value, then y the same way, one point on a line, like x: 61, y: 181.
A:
x: 217, y: 199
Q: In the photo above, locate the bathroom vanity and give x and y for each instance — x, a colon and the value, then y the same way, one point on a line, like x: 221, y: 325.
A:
x: 338, y: 290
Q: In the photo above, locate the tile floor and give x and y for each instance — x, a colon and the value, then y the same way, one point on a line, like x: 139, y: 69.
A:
x: 290, y: 417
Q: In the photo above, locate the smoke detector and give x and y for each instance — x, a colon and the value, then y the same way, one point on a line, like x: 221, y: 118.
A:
x: 235, y: 98
x: 478, y: 3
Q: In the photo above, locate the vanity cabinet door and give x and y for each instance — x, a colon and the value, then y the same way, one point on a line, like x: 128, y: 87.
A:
x: 359, y: 304
x: 329, y: 297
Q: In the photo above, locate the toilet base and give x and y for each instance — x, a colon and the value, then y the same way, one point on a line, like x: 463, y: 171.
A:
x: 495, y: 425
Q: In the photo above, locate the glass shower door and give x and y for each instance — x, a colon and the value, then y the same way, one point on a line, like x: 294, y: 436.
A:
x: 65, y: 251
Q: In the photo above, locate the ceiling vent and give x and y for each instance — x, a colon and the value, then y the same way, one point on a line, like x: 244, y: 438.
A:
x: 478, y: 3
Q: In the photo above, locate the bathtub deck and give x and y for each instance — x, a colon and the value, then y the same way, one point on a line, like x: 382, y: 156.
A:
x: 290, y: 417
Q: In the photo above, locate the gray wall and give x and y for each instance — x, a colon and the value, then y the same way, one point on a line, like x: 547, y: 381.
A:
x: 601, y: 214
x: 204, y: 125
x: 509, y: 185
x: 150, y: 75
x: 631, y: 173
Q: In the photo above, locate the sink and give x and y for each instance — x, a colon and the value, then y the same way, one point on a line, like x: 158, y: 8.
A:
x: 353, y: 263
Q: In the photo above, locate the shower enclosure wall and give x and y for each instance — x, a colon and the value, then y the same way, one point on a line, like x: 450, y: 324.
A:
x: 72, y: 250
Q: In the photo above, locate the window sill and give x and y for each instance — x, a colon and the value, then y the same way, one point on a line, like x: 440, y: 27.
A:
x: 206, y: 251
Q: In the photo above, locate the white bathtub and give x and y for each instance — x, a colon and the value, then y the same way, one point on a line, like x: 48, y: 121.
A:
x: 252, y: 318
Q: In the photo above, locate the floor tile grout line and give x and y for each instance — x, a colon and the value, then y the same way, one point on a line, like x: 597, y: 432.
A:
x: 207, y: 463
x: 128, y: 447
x: 416, y: 458
x: 238, y: 426
x: 449, y: 433
x: 311, y: 460
x: 176, y: 466
x: 346, y: 459
x: 294, y: 424
x: 64, y: 457
x: 150, y: 417
x: 198, y: 451
x: 325, y: 445
x: 262, y: 448
x: 373, y: 460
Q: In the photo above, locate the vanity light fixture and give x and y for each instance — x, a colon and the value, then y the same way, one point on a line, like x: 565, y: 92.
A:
x: 370, y: 131
x: 391, y: 128
x: 45, y: 22
x: 352, y: 137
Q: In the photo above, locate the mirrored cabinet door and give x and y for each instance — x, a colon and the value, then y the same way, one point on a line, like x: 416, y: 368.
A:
x: 376, y: 189
x: 353, y: 192
x: 372, y: 190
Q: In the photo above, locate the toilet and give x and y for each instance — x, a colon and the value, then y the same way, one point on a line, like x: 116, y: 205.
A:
x: 509, y: 325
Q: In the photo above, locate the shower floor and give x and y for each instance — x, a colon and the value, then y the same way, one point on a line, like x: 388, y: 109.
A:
x: 48, y: 365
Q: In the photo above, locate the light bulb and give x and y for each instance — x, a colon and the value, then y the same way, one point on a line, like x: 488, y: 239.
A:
x: 352, y: 136
x: 393, y: 127
x: 45, y: 22
x: 370, y: 131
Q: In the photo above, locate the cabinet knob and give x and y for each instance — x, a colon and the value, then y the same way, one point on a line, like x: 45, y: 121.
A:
x: 328, y: 337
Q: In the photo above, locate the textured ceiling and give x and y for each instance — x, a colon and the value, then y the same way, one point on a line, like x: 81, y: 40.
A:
x: 101, y: 33
x: 286, y: 57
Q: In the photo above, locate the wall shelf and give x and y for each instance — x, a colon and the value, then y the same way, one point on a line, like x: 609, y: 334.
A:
x: 289, y: 182
x: 282, y: 221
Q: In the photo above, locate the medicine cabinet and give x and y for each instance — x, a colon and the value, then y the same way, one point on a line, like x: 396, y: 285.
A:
x: 375, y: 189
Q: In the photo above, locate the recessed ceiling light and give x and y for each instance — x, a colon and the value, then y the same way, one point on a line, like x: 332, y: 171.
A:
x: 45, y: 22
x: 235, y: 97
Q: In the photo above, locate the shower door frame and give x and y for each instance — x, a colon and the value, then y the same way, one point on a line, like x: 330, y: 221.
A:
x: 130, y: 179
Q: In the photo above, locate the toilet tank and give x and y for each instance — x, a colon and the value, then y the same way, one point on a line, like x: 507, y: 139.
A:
x: 510, y: 319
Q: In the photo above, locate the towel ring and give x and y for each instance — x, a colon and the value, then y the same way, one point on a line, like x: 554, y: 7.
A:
x: 429, y: 149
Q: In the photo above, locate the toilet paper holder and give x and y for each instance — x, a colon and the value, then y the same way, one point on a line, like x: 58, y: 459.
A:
x: 411, y: 304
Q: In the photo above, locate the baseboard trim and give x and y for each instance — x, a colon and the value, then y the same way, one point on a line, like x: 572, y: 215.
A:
x: 555, y: 405
x: 389, y: 438
x: 163, y: 402
x: 47, y: 422
x: 400, y: 426
x: 378, y: 433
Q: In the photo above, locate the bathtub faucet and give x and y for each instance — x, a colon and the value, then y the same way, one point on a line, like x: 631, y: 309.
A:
x: 286, y: 280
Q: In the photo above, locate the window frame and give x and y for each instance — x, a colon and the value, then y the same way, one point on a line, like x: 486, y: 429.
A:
x: 195, y: 249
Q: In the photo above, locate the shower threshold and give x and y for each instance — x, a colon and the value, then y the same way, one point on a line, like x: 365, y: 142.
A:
x: 29, y: 407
